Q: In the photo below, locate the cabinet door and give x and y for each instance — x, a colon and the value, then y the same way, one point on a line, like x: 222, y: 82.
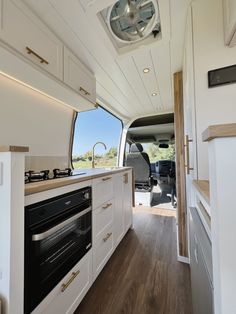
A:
x: 78, y: 77
x: 102, y: 249
x: 102, y: 190
x: 119, y: 229
x: 127, y: 199
x: 230, y: 21
x: 24, y: 32
x: 189, y: 111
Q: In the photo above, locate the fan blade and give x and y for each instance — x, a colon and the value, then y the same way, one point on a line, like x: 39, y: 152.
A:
x: 144, y: 4
x: 117, y: 18
x: 138, y: 31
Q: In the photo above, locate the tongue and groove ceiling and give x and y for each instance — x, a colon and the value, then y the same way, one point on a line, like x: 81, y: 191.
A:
x: 122, y: 86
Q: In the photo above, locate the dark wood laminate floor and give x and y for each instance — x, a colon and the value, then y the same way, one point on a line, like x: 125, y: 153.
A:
x: 142, y: 276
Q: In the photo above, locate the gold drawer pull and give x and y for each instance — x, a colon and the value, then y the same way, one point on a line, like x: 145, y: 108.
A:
x: 30, y: 51
x: 107, y: 236
x: 64, y: 286
x: 126, y: 178
x: 105, y: 179
x: 107, y: 205
x: 81, y: 89
x: 187, y: 141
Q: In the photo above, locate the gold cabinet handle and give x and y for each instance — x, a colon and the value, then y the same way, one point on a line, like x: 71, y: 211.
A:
x: 107, y: 236
x: 187, y: 141
x: 107, y: 205
x: 105, y: 179
x: 64, y: 286
x: 126, y: 178
x: 86, y: 93
x: 30, y: 51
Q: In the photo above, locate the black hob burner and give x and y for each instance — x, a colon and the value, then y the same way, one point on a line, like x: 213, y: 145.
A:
x: 35, y: 176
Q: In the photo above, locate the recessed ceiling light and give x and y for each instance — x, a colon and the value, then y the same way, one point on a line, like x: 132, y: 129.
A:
x: 146, y: 70
x: 154, y: 94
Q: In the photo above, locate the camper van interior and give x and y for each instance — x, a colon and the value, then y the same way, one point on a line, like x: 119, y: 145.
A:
x: 117, y: 156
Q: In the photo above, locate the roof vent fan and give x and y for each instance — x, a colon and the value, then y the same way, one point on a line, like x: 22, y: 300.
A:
x: 134, y: 20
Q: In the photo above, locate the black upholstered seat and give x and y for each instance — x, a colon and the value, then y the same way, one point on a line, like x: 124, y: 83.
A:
x: 140, y: 162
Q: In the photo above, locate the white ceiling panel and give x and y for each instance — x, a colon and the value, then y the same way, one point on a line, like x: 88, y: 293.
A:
x: 121, y: 83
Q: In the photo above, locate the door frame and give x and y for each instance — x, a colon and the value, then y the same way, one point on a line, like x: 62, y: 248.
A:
x: 182, y: 243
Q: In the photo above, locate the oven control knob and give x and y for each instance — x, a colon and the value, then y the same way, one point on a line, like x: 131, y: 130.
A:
x: 86, y: 195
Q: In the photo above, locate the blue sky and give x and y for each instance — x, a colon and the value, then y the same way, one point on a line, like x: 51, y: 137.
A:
x: 93, y: 126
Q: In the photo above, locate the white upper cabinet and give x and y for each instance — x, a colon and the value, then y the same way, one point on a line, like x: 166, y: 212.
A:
x: 77, y: 76
x: 230, y: 22
x: 24, y: 32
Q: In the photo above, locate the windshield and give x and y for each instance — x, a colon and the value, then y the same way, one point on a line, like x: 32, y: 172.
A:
x: 155, y: 153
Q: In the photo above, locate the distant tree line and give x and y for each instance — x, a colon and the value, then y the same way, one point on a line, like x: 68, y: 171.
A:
x: 112, y: 153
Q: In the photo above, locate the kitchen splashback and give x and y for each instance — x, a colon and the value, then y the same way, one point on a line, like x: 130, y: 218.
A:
x: 38, y: 163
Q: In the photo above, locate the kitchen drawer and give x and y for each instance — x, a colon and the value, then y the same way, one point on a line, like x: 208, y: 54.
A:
x: 77, y: 76
x: 102, y: 190
x: 24, y: 32
x: 65, y: 302
x: 102, y: 250
x: 102, y: 217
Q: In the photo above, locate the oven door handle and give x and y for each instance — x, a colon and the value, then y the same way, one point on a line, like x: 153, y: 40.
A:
x: 44, y: 235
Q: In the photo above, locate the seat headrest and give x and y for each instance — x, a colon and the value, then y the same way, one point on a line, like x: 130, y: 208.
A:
x: 136, y: 148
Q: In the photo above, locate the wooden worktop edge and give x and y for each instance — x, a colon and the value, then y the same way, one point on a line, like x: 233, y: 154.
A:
x: 219, y: 130
x: 203, y: 187
x: 36, y: 187
x: 13, y: 149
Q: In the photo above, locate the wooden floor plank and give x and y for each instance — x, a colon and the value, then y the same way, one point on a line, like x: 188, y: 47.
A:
x: 143, y: 275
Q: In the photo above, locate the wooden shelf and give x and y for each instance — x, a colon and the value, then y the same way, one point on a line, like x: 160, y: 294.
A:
x: 203, y: 188
x: 219, y: 130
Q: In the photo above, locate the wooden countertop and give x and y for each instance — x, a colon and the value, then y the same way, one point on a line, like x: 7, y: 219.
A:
x: 219, y: 130
x: 36, y: 187
x: 203, y: 188
x: 12, y: 148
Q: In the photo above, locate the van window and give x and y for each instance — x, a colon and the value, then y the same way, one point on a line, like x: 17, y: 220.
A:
x: 96, y: 126
x: 155, y: 153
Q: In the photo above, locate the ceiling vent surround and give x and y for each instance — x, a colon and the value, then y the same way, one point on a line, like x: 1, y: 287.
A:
x: 132, y: 23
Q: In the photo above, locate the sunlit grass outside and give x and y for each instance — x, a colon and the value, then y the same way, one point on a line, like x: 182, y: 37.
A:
x: 99, y: 163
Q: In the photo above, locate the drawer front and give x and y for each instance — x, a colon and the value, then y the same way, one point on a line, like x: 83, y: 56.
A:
x: 102, y: 190
x: 102, y: 217
x: 70, y: 292
x: 102, y: 250
x: 24, y: 32
x: 78, y: 77
x: 203, y: 239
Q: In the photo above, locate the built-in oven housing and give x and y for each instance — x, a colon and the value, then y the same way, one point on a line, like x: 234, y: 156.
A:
x: 58, y: 233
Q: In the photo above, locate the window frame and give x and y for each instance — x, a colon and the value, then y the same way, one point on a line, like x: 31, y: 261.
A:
x: 74, y: 120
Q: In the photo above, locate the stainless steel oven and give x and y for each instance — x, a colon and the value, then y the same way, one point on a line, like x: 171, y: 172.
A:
x: 58, y: 233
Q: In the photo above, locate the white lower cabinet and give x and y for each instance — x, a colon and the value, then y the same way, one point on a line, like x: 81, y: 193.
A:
x: 102, y: 249
x: 119, y: 223
x: 67, y: 295
x: 111, y: 219
x: 200, y: 266
x: 127, y: 200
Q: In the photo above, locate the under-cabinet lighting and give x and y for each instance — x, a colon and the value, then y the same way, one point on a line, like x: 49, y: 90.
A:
x: 146, y: 70
x: 35, y: 89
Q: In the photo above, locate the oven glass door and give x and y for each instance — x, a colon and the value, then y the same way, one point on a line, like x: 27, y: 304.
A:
x: 55, y: 251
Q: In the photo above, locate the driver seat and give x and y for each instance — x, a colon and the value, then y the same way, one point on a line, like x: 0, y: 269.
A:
x: 139, y: 161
